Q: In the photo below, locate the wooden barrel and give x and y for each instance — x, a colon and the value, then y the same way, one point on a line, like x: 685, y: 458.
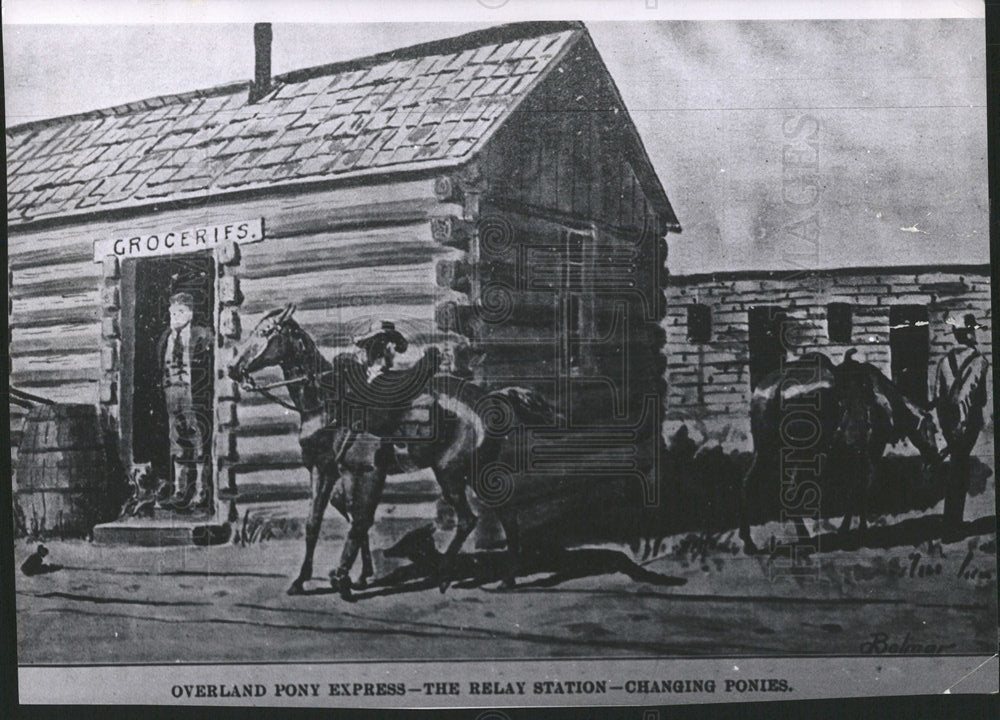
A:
x: 63, y: 486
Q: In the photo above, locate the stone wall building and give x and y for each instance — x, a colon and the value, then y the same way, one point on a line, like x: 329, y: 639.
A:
x: 722, y: 334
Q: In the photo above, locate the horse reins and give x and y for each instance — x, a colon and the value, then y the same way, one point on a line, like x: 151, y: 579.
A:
x: 252, y: 386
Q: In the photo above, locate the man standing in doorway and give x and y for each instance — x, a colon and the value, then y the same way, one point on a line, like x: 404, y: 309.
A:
x: 959, y: 397
x: 185, y: 356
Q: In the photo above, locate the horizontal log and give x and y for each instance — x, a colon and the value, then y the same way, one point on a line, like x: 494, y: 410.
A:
x: 500, y: 370
x: 547, y: 230
x: 516, y: 332
x: 66, y: 252
x: 405, y: 244
x: 250, y: 461
x: 267, y: 428
x: 62, y: 392
x: 265, y: 418
x: 59, y: 339
x: 370, y: 255
x: 362, y: 214
x: 267, y: 444
x: 49, y: 361
x: 333, y: 290
x: 286, y: 212
x: 547, y: 352
x: 55, y: 280
x: 55, y: 377
x: 69, y: 310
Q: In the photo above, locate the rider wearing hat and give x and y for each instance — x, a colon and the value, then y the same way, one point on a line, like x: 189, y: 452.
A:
x: 380, y: 347
x: 959, y: 396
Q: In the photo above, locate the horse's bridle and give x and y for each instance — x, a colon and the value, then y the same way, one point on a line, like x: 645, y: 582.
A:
x: 248, y: 384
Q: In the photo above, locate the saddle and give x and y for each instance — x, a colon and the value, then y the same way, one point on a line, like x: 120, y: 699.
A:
x: 395, y: 403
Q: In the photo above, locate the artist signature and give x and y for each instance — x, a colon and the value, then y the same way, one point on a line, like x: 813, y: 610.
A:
x: 883, y: 644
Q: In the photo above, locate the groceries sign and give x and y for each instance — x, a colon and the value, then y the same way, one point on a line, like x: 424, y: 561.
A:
x: 175, y: 242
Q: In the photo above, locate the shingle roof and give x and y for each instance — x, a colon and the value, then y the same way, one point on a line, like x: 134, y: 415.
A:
x: 425, y: 106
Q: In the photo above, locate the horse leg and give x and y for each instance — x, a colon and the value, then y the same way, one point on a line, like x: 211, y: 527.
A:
x: 321, y: 486
x: 368, y: 491
x: 383, y: 456
x: 454, y: 493
x: 845, y: 524
x: 339, y: 500
x: 868, y: 484
x: 340, y: 579
x: 508, y: 518
x: 748, y: 544
x: 802, y: 536
x: 367, y: 569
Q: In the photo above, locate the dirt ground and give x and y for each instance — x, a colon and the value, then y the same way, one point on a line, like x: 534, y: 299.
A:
x: 699, y: 596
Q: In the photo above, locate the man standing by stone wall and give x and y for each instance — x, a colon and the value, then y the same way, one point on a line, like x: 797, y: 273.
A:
x: 959, y: 397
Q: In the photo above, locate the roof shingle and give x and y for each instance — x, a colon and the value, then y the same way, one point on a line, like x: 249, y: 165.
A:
x: 427, y: 104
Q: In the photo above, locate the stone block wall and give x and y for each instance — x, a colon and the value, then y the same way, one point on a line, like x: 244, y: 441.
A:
x: 708, y: 383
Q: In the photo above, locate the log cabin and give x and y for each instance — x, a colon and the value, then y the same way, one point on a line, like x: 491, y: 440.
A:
x: 488, y: 193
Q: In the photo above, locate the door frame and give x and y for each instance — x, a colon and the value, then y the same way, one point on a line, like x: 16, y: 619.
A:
x: 117, y: 305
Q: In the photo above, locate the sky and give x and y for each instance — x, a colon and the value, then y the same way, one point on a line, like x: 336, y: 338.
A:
x: 792, y: 144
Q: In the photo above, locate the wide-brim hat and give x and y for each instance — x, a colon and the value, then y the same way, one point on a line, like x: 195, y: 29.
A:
x: 387, y: 333
x: 968, y: 323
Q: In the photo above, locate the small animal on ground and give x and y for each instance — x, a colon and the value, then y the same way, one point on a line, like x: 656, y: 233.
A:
x: 35, y: 564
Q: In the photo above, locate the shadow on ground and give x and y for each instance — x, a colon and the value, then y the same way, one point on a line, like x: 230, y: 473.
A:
x: 477, y: 569
x: 910, y: 532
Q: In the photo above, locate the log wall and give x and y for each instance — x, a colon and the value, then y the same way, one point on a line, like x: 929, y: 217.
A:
x: 346, y: 257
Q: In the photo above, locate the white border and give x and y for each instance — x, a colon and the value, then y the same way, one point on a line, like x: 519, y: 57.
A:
x: 93, y: 12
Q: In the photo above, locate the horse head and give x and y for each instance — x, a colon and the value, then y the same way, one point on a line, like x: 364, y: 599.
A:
x: 266, y: 345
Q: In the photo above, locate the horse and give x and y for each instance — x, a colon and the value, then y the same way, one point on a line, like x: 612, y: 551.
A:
x: 811, y: 413
x: 349, y: 428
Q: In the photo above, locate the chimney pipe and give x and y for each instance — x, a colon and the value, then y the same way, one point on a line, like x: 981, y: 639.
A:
x: 262, y: 61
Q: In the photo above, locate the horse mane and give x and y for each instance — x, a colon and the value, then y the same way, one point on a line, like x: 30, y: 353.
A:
x: 304, y: 346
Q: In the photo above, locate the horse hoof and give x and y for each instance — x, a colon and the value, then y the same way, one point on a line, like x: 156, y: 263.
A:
x: 295, y: 589
x: 361, y: 584
x: 443, y: 586
x: 342, y: 583
x: 750, y: 548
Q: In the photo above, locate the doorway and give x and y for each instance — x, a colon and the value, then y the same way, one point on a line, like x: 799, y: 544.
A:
x: 909, y: 350
x: 766, y: 346
x: 153, y: 281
